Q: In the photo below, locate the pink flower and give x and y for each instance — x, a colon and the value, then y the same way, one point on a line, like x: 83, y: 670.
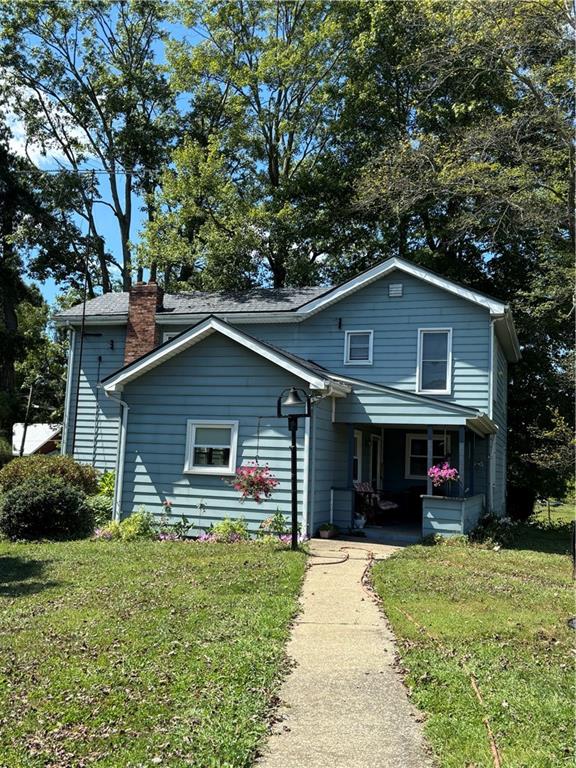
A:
x: 442, y: 473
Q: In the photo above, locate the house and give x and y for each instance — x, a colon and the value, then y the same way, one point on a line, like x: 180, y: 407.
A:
x: 405, y: 369
x: 38, y: 438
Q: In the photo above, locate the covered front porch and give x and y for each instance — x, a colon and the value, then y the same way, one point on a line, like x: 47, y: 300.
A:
x: 382, y: 443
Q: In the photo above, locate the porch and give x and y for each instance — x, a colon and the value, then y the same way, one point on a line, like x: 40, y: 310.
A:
x: 384, y: 469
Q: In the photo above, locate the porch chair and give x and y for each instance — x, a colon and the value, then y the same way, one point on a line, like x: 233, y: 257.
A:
x: 371, y: 504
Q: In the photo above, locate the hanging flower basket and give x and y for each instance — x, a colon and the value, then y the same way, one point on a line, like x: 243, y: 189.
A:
x: 254, y: 482
x: 443, y: 473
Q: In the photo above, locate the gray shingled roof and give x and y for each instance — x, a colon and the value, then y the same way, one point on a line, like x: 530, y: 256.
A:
x: 204, y: 303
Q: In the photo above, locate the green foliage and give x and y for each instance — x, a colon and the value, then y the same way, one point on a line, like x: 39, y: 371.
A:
x: 106, y: 483
x: 275, y: 525
x: 230, y: 530
x: 140, y: 525
x: 499, y: 616
x: 80, y: 476
x: 101, y: 507
x: 5, y: 452
x: 494, y: 531
x: 45, y: 507
x: 170, y: 629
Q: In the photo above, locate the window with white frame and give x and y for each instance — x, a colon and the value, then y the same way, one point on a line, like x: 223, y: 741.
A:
x: 358, y: 347
x: 211, y: 447
x: 357, y: 458
x: 417, y: 454
x: 434, y: 361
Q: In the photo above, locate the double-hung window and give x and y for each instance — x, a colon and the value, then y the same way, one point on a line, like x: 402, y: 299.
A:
x: 434, y: 361
x: 417, y: 454
x: 211, y: 447
x: 358, y: 347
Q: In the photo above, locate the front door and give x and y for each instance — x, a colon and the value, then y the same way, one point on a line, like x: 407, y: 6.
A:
x: 375, y: 461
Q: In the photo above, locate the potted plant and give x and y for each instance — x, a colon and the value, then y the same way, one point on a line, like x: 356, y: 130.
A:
x: 328, y: 531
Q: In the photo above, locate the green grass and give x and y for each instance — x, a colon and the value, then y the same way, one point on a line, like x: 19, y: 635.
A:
x: 142, y: 654
x: 561, y: 514
x: 500, y: 616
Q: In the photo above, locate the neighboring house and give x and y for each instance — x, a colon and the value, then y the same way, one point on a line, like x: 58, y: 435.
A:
x: 40, y: 438
x: 405, y: 368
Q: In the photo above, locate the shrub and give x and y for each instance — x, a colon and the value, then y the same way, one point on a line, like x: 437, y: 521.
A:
x: 6, y: 454
x: 275, y: 525
x: 230, y: 530
x: 45, y: 508
x: 80, y: 476
x: 106, y: 484
x: 101, y: 507
x: 137, y: 526
x: 493, y: 531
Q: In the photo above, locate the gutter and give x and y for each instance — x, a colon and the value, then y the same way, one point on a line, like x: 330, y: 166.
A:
x: 120, y: 454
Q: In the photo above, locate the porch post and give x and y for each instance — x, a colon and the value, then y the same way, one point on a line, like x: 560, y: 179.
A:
x: 429, y: 459
x: 461, y: 457
x: 350, y: 477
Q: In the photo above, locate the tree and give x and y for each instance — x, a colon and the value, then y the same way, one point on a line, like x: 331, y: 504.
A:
x: 256, y: 143
x: 34, y: 236
x: 479, y: 182
x: 86, y: 83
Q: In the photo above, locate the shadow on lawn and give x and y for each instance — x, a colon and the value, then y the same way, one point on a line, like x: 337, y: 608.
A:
x: 551, y: 538
x: 16, y: 574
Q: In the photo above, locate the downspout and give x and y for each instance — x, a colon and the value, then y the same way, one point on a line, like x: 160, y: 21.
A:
x: 68, y: 395
x: 117, y: 504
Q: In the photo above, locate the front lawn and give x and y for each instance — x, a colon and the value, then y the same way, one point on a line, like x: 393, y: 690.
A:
x: 141, y: 654
x: 500, y: 617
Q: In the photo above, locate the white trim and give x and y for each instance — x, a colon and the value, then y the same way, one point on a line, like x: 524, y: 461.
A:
x: 358, y: 455
x: 167, y: 335
x: 119, y: 319
x: 377, y: 439
x: 68, y: 395
x: 194, y: 335
x: 195, y: 469
x: 306, y: 478
x: 408, y: 450
x: 347, y: 335
x: 380, y: 270
x: 448, y: 390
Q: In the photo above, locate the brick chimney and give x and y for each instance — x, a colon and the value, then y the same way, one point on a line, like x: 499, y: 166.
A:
x: 141, y: 332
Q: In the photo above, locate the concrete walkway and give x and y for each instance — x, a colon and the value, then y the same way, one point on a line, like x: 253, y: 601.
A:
x: 344, y: 704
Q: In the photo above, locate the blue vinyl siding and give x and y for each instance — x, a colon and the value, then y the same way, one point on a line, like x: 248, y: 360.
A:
x: 395, y: 322
x: 97, y: 417
x: 329, y: 466
x: 215, y: 379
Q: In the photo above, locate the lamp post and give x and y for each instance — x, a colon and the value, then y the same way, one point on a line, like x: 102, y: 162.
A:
x: 294, y: 399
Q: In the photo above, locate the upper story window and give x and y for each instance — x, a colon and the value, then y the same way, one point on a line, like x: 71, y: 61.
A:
x: 358, y: 347
x: 211, y: 447
x: 434, y: 361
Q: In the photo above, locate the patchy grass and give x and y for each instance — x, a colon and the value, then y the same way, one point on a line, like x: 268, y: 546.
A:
x: 564, y: 513
x: 141, y: 654
x: 500, y: 616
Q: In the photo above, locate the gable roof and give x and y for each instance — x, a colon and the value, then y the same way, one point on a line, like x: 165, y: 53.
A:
x: 316, y: 377
x: 290, y: 304
x: 115, y: 305
x: 338, y: 292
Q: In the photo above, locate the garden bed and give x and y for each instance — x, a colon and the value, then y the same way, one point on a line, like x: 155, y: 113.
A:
x: 142, y: 653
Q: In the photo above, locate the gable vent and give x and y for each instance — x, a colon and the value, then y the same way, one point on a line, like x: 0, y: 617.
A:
x: 395, y: 290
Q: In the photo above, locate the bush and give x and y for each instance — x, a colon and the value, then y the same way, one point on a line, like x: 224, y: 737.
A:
x: 80, y: 476
x: 493, y: 531
x: 101, y: 507
x: 106, y: 484
x: 137, y: 526
x: 6, y: 454
x: 45, y: 508
x: 230, y: 530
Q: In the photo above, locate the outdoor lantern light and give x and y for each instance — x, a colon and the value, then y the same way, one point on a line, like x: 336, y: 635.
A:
x: 294, y: 399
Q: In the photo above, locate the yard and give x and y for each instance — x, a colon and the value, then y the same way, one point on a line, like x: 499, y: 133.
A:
x: 141, y: 654
x: 467, y: 616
